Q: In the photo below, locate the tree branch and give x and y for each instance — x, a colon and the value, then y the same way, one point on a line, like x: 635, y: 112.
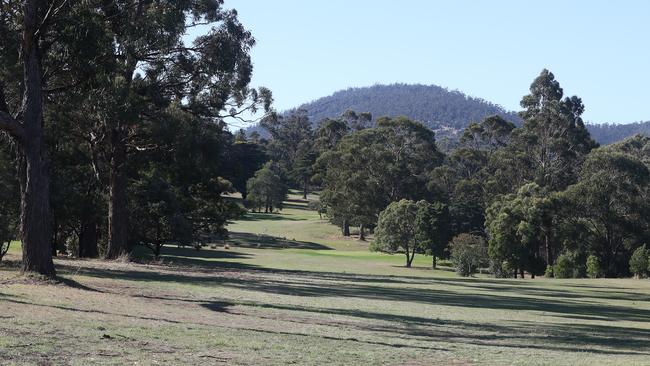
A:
x: 7, y: 122
x: 10, y: 125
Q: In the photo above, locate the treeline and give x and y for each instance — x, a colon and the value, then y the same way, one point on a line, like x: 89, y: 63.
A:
x: 542, y: 198
x: 115, y: 126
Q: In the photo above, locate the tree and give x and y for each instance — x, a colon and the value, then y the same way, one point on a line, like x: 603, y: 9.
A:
x: 25, y: 29
x: 491, y: 133
x: 329, y: 134
x: 176, y: 194
x: 357, y: 121
x: 517, y: 229
x: 639, y: 262
x: 609, y: 202
x: 468, y: 252
x: 302, y: 169
x: 242, y: 160
x: 290, y: 138
x: 409, y: 226
x: 553, y: 136
x: 594, y: 269
x: 432, y: 221
x: 373, y: 167
x: 149, y: 66
x: 267, y: 189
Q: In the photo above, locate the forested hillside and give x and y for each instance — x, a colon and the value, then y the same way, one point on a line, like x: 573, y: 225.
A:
x: 445, y: 111
x: 433, y: 105
x: 607, y: 133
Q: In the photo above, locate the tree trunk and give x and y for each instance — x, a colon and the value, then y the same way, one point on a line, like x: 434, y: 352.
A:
x: 345, y: 228
x: 156, y: 251
x: 55, y: 232
x: 88, y: 237
x: 434, y: 262
x: 305, y: 188
x: 35, y: 227
x: 549, y: 259
x: 362, y: 234
x: 117, y: 203
x: 515, y: 273
x: 409, y: 258
x: 521, y: 272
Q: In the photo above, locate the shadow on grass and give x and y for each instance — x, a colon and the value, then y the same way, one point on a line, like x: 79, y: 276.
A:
x: 256, y: 216
x: 248, y: 240
x: 575, y: 338
x: 315, y: 284
x: 406, y: 330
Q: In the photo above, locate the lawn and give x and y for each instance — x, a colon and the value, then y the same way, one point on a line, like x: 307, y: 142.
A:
x: 289, y: 290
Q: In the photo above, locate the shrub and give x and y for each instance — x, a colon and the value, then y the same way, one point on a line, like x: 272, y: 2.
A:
x: 468, y: 252
x: 594, y: 269
x: 564, y: 266
x: 549, y: 271
x: 639, y: 262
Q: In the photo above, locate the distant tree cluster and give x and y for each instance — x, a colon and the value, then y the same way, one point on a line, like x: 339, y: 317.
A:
x: 542, y: 198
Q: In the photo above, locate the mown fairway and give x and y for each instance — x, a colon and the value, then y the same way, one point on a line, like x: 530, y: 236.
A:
x: 298, y: 294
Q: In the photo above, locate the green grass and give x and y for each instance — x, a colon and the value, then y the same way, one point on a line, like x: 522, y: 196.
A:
x: 297, y: 293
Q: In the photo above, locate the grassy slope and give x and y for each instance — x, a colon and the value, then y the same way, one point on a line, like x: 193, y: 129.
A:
x: 318, y: 299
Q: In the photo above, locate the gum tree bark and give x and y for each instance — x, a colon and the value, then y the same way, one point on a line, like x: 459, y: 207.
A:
x: 35, y: 226
x: 117, y: 203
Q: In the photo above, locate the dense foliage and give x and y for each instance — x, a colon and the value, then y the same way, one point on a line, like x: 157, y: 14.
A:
x: 118, y: 123
x: 544, y: 196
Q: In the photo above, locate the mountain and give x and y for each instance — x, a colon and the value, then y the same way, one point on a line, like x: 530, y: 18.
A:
x: 445, y: 111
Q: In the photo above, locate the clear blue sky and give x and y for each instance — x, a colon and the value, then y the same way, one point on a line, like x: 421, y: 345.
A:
x: 598, y: 50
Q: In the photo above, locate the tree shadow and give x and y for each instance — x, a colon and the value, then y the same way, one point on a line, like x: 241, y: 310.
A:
x: 259, y: 241
x: 256, y: 216
x: 525, y: 335
x: 467, y: 298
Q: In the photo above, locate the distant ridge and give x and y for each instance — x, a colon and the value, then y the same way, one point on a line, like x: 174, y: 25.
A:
x: 435, y: 106
x: 445, y: 111
x: 608, y: 133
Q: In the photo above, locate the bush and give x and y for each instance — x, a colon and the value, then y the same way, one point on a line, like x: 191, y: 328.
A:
x: 549, y: 271
x: 639, y: 262
x: 501, y: 269
x: 594, y: 269
x: 564, y: 267
x: 468, y: 252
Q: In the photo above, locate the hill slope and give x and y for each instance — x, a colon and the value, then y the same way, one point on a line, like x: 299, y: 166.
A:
x: 435, y: 106
x: 608, y: 133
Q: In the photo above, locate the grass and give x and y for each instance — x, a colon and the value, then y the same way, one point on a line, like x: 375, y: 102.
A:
x: 316, y: 299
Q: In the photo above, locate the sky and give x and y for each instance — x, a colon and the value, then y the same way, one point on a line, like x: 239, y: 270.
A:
x: 598, y: 50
